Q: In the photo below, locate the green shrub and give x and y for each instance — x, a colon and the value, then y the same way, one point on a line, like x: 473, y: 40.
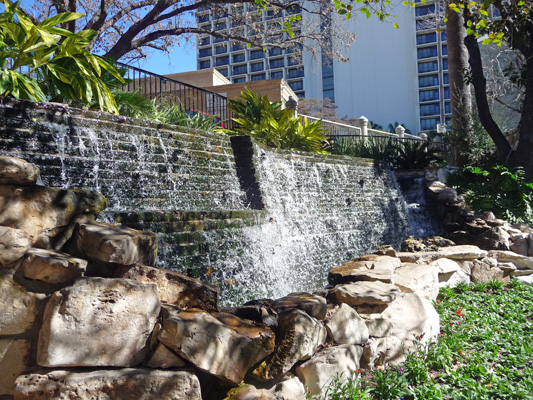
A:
x: 45, y: 63
x: 500, y: 190
x: 266, y: 122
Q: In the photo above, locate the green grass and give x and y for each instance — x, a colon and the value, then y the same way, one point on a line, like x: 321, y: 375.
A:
x: 484, y: 351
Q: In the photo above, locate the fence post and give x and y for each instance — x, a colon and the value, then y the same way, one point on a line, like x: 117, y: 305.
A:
x: 362, y: 123
x: 424, y: 137
x: 400, y: 131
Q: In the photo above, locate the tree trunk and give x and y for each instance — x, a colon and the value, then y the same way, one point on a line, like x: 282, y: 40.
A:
x: 460, y: 95
x: 480, y: 90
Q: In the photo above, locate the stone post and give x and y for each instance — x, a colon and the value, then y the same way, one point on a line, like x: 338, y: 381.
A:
x: 293, y: 105
x: 400, y: 131
x: 362, y: 123
x: 424, y: 137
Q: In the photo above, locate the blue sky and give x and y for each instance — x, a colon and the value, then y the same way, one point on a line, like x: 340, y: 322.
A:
x: 181, y: 59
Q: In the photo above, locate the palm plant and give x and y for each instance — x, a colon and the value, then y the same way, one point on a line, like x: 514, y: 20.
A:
x: 415, y: 155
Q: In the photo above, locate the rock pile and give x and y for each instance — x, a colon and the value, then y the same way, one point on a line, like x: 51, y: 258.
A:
x: 87, y: 314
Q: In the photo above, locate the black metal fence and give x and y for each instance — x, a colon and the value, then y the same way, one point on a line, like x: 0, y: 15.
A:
x: 355, y: 143
x: 191, y: 98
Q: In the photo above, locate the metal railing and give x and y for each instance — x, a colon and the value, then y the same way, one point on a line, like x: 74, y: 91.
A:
x: 191, y: 98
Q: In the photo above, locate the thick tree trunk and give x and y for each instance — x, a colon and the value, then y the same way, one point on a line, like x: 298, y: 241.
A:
x: 480, y: 90
x: 461, y: 97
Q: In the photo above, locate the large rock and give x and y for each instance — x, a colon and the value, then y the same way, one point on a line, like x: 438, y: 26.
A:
x: 365, y: 297
x: 312, y: 304
x: 163, y: 357
x: 98, y: 322
x: 288, y: 387
x: 418, y: 278
x: 218, y: 343
x: 111, y: 243
x: 121, y: 384
x: 15, y: 171
x: 345, y: 326
x: 450, y: 273
x: 494, y: 239
x: 249, y: 392
x: 14, y: 360
x: 376, y: 351
x: 521, y: 262
x: 297, y: 337
x: 368, y: 268
x: 14, y: 243
x: 18, y: 308
x: 52, y: 267
x: 462, y: 252
x: 484, y: 273
x: 174, y: 288
x: 378, y: 327
x: 331, y: 363
x: 413, y: 318
x: 48, y: 215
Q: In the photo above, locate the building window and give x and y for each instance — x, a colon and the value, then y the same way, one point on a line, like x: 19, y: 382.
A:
x: 276, y: 75
x: 220, y: 14
x: 295, y: 9
x: 428, y: 95
x: 277, y: 63
x: 203, y: 18
x: 447, y: 108
x: 275, y: 52
x: 204, y: 52
x: 430, y: 66
x: 239, y: 79
x: 271, y: 14
x: 329, y: 94
x: 204, y: 64
x: 220, y: 26
x: 221, y: 61
x: 237, y: 46
x: 424, y: 10
x: 443, y: 36
x: 237, y: 58
x: 256, y: 54
x: 426, y: 38
x: 429, y: 109
x: 258, y: 77
x: 293, y: 61
x: 426, y: 52
x: 223, y: 71
x: 239, y: 69
x: 447, y: 93
x: 445, y: 79
x: 298, y: 85
x: 444, y: 50
x: 429, y: 124
x: 425, y: 81
x: 296, y: 73
x: 445, y: 64
x: 296, y: 48
x: 255, y: 67
x: 221, y: 49
x: 205, y: 41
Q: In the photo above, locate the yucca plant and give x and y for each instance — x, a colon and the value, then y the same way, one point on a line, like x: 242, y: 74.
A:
x: 415, y: 155
x: 41, y: 62
x: 266, y: 122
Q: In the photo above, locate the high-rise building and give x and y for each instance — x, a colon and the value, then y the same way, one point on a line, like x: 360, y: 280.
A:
x: 392, y: 75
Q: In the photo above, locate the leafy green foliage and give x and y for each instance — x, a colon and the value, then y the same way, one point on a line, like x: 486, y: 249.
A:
x: 275, y: 127
x: 399, y: 155
x: 43, y: 62
x: 499, y: 189
x: 175, y: 115
x: 483, y: 351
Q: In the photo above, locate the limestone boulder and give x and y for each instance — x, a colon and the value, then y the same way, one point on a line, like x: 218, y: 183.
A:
x: 98, y: 322
x: 18, y: 308
x: 365, y: 297
x: 368, y: 268
x: 174, y: 288
x: 375, y: 352
x: 298, y: 335
x: 287, y: 387
x: 527, y: 280
x: 484, y: 273
x: 118, y: 384
x: 15, y: 359
x: 520, y: 244
x: 52, y: 266
x: 249, y: 392
x: 495, y: 238
x: 345, y: 326
x: 218, y: 343
x: 450, y: 273
x: 312, y: 304
x: 163, y: 357
x: 15, y: 171
x: 520, y: 261
x: 14, y: 243
x: 413, y: 318
x: 48, y: 215
x: 418, y: 278
x: 378, y: 327
x: 257, y: 313
x: 114, y: 244
x: 331, y: 363
x: 463, y: 252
